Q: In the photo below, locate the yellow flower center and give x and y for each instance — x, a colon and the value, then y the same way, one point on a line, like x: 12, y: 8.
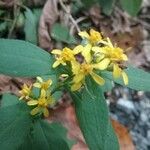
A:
x: 115, y: 54
x: 42, y: 102
x: 44, y: 85
x: 67, y: 55
x: 86, y: 68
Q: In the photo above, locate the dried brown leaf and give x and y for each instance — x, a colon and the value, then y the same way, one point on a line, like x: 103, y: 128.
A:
x: 124, y: 40
x: 48, y: 18
x: 124, y: 137
x: 6, y: 3
x: 95, y: 14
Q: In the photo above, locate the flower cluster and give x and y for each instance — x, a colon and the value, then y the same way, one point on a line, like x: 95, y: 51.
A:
x: 98, y: 54
x: 40, y: 104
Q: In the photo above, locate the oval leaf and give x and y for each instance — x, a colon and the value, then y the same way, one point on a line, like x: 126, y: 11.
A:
x: 92, y: 114
x: 131, y: 6
x: 48, y: 136
x: 20, y: 58
x: 138, y: 79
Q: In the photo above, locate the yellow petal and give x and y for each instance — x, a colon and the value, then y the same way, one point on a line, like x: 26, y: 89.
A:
x: 46, y: 112
x: 38, y: 85
x: 39, y: 79
x: 78, y: 78
x: 102, y: 64
x: 43, y: 93
x: 76, y: 86
x: 75, y: 67
x: 87, y: 53
x: 21, y: 97
x: 56, y: 52
x: 35, y: 111
x: 97, y: 78
x: 78, y: 49
x: 109, y: 43
x: 116, y: 71
x: 56, y: 63
x: 25, y: 86
x: 125, y: 58
x: 49, y: 82
x: 32, y: 102
x: 84, y: 34
x: 125, y: 78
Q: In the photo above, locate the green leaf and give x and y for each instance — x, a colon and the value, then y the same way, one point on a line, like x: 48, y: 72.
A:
x: 2, y: 12
x: 107, y: 6
x: 61, y: 33
x: 107, y: 86
x: 30, y: 27
x: 15, y: 123
x: 112, y: 141
x: 20, y: 58
x: 3, y: 26
x: 76, y: 6
x: 89, y: 3
x: 92, y: 114
x: 8, y: 100
x: 138, y: 79
x: 49, y: 136
x: 131, y: 6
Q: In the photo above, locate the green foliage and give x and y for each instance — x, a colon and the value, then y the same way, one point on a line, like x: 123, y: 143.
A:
x: 8, y: 100
x: 15, y: 123
x: 107, y: 86
x: 89, y: 3
x: 19, y: 58
x: 92, y: 114
x: 61, y: 33
x: 22, y: 132
x: 3, y: 26
x: 52, y: 136
x: 112, y: 141
x: 107, y: 6
x: 138, y: 79
x: 30, y: 27
x: 131, y: 6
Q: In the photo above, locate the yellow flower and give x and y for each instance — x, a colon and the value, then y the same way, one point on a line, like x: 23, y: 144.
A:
x: 115, y: 55
x: 42, y: 84
x: 65, y: 55
x: 80, y: 71
x: 25, y: 92
x: 93, y: 37
x: 41, y: 104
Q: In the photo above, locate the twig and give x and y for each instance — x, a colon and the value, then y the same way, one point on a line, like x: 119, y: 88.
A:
x: 77, y: 21
x: 70, y: 16
x: 16, y: 14
x: 6, y: 19
x: 143, y: 23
